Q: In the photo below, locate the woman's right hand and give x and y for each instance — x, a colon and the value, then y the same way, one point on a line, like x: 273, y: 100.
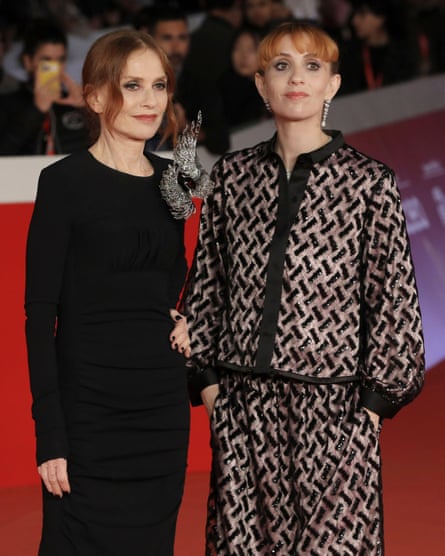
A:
x: 54, y: 475
x: 208, y: 396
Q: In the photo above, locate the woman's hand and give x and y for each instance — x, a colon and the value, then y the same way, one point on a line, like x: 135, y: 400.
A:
x: 375, y: 418
x: 179, y: 338
x: 208, y: 396
x: 55, y: 476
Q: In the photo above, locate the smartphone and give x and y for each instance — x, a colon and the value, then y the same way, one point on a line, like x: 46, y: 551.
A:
x: 48, y: 71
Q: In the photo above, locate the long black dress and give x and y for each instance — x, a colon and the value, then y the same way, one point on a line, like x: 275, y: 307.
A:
x: 105, y: 263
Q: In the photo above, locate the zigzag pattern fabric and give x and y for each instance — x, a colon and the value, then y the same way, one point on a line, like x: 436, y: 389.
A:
x: 302, y: 302
x: 312, y: 278
x: 296, y: 471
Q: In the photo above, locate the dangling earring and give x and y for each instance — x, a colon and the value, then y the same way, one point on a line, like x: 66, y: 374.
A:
x: 324, y: 117
x: 267, y: 105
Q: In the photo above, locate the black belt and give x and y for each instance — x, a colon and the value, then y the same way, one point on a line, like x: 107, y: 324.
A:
x: 229, y: 368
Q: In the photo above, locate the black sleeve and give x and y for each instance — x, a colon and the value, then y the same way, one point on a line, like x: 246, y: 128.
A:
x: 47, y: 246
x: 204, y: 296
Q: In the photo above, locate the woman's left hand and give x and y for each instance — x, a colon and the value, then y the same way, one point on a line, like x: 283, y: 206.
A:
x: 179, y: 337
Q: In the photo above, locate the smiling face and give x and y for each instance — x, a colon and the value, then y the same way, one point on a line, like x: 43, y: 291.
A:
x: 143, y: 85
x: 296, y: 84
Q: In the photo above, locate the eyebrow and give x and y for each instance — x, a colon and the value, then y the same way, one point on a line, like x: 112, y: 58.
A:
x: 58, y: 58
x: 306, y: 54
x: 161, y: 78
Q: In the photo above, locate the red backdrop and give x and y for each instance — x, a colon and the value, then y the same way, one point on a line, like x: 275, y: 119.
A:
x: 16, y: 426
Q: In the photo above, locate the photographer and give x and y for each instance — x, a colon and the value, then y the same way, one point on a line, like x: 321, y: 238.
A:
x: 44, y: 115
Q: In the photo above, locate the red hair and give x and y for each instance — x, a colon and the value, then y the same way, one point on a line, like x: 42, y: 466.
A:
x: 103, y: 66
x: 305, y: 37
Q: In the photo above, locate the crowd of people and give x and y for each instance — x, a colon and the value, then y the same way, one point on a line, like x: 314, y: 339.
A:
x: 212, y: 47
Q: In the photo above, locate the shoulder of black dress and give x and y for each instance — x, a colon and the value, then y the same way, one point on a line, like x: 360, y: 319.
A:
x: 70, y: 163
x: 158, y: 162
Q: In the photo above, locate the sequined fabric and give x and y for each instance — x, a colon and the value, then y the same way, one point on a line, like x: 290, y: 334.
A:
x: 311, y: 277
x: 296, y: 471
x: 302, y: 302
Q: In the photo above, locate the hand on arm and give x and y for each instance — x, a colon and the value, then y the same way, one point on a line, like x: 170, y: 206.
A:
x: 179, y: 337
x: 55, y: 476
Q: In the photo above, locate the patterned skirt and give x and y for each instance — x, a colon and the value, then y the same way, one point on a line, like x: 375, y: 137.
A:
x: 295, y: 471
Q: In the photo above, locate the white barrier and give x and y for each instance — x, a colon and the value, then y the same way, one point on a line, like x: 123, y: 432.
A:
x: 352, y: 113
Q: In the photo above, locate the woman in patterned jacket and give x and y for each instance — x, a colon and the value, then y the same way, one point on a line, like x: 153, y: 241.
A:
x: 304, y: 322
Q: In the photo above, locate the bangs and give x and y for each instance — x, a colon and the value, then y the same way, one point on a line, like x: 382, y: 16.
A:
x: 305, y: 38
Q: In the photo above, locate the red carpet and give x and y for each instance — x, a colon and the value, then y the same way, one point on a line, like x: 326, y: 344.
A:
x: 413, y: 478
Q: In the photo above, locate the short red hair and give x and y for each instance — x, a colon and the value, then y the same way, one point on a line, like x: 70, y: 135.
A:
x: 305, y: 37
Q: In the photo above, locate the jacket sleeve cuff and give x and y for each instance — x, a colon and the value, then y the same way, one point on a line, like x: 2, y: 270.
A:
x: 198, y: 379
x: 377, y: 403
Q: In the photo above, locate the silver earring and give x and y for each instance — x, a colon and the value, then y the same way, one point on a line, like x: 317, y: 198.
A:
x: 324, y: 117
x: 267, y: 105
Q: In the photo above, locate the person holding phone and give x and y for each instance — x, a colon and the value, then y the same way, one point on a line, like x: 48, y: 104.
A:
x: 44, y: 116
x: 105, y: 267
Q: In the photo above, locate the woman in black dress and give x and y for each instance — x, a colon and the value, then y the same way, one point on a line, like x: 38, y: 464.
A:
x: 105, y: 266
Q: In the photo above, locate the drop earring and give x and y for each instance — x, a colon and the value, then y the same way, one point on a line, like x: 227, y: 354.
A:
x: 267, y: 105
x: 324, y: 117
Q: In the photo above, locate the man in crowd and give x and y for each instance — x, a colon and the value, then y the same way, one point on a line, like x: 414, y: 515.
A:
x: 43, y: 117
x: 207, y: 60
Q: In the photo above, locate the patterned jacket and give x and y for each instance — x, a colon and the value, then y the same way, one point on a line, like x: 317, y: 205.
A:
x: 310, y: 278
